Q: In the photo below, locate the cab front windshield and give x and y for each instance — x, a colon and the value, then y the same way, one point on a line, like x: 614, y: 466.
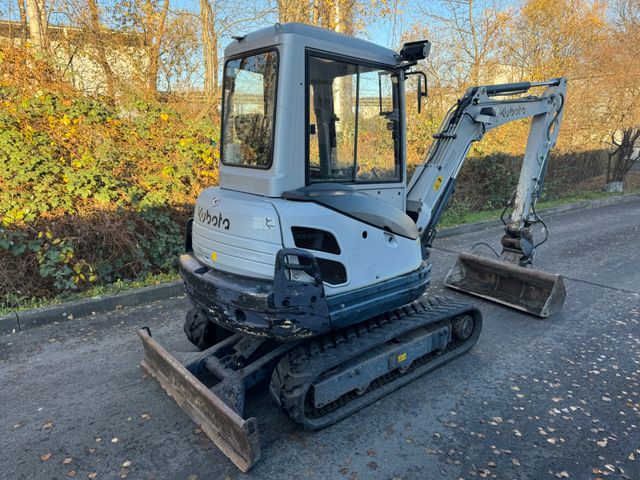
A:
x: 353, y: 122
x: 249, y: 110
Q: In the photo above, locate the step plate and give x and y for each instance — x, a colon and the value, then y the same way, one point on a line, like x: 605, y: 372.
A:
x: 236, y: 437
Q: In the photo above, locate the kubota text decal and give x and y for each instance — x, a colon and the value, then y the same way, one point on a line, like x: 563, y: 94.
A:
x: 218, y: 221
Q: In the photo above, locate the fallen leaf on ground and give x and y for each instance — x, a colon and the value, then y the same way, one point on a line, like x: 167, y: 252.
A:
x: 71, y: 473
x: 67, y: 460
x: 631, y: 456
x: 556, y: 399
x: 515, y: 461
x: 562, y: 474
x: 126, y: 464
x: 48, y: 425
x: 115, y: 440
x: 92, y: 475
x: 602, y: 443
x: 47, y: 456
x: 517, y: 433
x: 146, y: 416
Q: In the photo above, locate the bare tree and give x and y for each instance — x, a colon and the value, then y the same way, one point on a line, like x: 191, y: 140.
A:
x: 470, y: 32
x: 154, y: 29
x: 626, y: 14
x: 617, y: 72
x: 219, y: 19
x: 146, y: 21
x: 625, y: 152
x: 180, y: 59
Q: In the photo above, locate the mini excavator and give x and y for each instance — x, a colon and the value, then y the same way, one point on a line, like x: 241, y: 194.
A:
x: 307, y: 266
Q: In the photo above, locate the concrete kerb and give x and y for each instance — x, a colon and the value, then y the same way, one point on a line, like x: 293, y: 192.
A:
x: 25, y: 319
x: 9, y: 323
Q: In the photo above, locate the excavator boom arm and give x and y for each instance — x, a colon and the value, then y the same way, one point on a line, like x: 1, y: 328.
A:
x: 477, y: 112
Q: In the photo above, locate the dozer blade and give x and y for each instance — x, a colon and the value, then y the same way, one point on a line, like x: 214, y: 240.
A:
x: 531, y: 291
x: 237, y: 438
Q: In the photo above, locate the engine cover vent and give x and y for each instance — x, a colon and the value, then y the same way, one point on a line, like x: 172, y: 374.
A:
x: 332, y: 272
x: 314, y: 239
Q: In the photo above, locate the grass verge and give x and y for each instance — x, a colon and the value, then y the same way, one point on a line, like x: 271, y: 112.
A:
x: 452, y: 219
x: 97, y: 291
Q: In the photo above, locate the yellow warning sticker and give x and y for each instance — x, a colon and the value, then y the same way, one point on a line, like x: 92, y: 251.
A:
x: 402, y: 357
x: 214, y: 256
x: 436, y: 186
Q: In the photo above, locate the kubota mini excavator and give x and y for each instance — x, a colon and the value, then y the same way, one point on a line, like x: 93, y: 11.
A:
x: 307, y: 266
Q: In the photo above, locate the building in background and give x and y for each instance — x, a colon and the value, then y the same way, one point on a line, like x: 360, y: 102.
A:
x: 75, y: 55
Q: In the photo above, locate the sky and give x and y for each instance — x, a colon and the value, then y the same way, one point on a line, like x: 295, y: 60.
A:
x: 385, y: 31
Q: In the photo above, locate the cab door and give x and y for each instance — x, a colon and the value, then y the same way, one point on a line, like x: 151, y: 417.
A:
x: 355, y: 126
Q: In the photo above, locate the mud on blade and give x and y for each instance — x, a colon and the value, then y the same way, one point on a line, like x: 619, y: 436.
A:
x: 529, y: 290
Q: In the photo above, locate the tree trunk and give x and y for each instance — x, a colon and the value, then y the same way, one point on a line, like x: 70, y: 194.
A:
x: 210, y: 71
x: 155, y: 34
x: 343, y: 12
x: 215, y: 64
x: 98, y: 44
x: 23, y: 23
x: 37, y: 18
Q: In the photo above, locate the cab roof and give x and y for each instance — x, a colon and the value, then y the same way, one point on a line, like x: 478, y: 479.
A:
x: 313, y: 37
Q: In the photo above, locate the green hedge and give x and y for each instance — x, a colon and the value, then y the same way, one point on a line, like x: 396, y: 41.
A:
x: 90, y: 193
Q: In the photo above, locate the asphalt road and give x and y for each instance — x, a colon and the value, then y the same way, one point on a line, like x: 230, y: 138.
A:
x: 555, y: 398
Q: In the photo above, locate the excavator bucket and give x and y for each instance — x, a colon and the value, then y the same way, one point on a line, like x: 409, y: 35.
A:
x: 525, y: 289
x: 236, y: 437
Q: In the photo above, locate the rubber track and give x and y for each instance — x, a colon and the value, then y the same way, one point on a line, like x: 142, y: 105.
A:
x: 296, y: 372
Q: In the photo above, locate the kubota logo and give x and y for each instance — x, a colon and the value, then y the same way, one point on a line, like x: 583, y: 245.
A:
x: 507, y: 112
x: 215, y: 221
